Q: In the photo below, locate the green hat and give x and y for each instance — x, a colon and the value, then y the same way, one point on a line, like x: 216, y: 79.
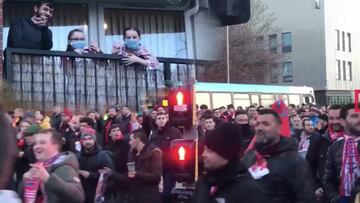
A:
x: 32, y: 129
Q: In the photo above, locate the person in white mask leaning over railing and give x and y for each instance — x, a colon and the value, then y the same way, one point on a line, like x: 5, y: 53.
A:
x: 133, y: 52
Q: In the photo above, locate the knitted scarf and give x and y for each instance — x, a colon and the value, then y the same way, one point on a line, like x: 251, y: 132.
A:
x: 350, y: 169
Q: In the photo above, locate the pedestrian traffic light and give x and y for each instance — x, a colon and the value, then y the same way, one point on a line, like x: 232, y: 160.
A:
x: 180, y: 100
x: 184, y: 159
x: 230, y: 12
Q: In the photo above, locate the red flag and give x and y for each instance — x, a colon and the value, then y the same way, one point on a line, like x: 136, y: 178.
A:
x: 280, y: 108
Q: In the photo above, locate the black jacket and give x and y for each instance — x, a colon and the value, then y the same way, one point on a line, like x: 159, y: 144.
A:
x: 25, y: 34
x: 162, y: 138
x: 92, y: 161
x: 70, y: 137
x: 333, y: 165
x: 316, y: 156
x: 234, y: 185
x: 148, y: 165
x: 290, y: 179
x: 56, y: 121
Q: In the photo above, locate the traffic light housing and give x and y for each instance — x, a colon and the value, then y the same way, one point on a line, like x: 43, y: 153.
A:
x: 180, y: 101
x: 184, y: 159
x: 230, y: 12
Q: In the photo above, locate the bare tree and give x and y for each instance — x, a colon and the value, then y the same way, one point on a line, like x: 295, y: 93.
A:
x: 249, y: 53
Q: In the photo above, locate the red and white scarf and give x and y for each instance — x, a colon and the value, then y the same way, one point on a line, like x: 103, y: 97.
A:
x: 350, y: 168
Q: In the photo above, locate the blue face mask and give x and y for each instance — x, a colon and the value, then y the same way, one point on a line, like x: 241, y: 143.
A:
x: 78, y: 44
x: 132, y: 45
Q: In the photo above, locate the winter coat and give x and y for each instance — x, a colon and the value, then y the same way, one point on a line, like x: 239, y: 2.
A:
x: 93, y: 161
x: 234, y: 185
x: 162, y: 138
x: 144, y: 187
x: 71, y: 137
x: 148, y: 125
x: 45, y: 123
x: 22, y: 164
x: 118, y: 177
x: 63, y: 184
x: 316, y: 156
x: 331, y: 178
x: 290, y: 179
x: 56, y: 121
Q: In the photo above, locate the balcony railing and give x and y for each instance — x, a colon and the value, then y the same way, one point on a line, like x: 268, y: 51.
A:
x: 41, y: 79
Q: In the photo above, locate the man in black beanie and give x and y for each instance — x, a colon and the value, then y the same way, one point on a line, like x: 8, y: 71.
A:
x: 225, y: 179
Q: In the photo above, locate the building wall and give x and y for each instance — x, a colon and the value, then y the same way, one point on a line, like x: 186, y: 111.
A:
x: 343, y: 17
x: 306, y: 24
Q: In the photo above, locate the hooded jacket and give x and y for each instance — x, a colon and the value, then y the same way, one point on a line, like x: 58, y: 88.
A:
x: 63, y: 184
x: 290, y: 179
x: 92, y: 161
x: 233, y: 185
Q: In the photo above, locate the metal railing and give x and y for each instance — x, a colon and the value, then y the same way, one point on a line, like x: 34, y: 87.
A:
x: 41, y: 79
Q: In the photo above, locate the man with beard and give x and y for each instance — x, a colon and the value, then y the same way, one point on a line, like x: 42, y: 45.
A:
x: 307, y: 137
x: 296, y: 128
x: 33, y: 33
x: 162, y: 138
x: 112, y: 119
x: 241, y: 119
x: 91, y: 160
x: 276, y: 165
x: 317, y: 151
x: 342, y: 169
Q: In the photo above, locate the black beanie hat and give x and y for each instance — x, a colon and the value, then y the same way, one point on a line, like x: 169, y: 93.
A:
x: 225, y: 140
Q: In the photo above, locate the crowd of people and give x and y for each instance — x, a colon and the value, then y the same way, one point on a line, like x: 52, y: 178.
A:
x: 122, y: 156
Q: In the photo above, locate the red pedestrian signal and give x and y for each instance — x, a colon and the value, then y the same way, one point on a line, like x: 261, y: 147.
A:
x: 182, y: 153
x: 184, y: 159
x: 181, y: 106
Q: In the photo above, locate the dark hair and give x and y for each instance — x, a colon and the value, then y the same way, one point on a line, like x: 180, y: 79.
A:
x: 323, y: 117
x: 299, y: 111
x: 335, y: 107
x: 88, y: 121
x: 247, y: 110
x: 140, y: 133
x: 160, y: 114
x: 56, y: 137
x: 131, y: 28
x: 207, y: 116
x: 239, y: 112
x: 113, y: 126
x: 230, y: 106
x: 303, y: 122
x: 49, y: 3
x: 7, y: 149
x: 42, y: 112
x: 272, y: 112
x: 292, y: 106
x: 69, y: 47
x: 204, y: 107
x: 345, y: 110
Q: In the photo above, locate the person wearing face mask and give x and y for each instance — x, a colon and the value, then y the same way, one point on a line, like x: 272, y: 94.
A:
x: 77, y: 43
x: 133, y: 52
x: 33, y: 33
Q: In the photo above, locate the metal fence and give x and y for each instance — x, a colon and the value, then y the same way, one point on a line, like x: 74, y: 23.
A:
x: 41, y: 79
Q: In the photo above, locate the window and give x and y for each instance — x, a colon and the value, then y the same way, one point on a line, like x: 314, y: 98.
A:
x: 267, y: 99
x: 241, y: 100
x: 343, y: 41
x: 273, y: 43
x: 255, y: 100
x: 339, y: 100
x: 344, y: 70
x: 221, y: 99
x: 349, y: 72
x: 349, y: 41
x: 286, y: 42
x: 287, y: 72
x: 338, y: 70
x: 294, y: 99
x: 203, y: 98
x: 274, y: 75
x: 337, y: 39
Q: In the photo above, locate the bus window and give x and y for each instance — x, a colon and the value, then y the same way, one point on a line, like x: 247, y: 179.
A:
x: 241, y: 100
x: 295, y: 99
x: 203, y: 98
x: 255, y: 100
x: 284, y: 98
x: 221, y: 99
x: 267, y: 100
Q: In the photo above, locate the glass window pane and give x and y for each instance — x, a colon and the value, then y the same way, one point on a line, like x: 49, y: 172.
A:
x: 244, y: 103
x: 203, y: 98
x: 162, y: 32
x: 255, y: 100
x: 241, y: 96
x: 286, y: 42
x: 273, y: 43
x: 295, y: 99
x: 267, y: 100
x: 221, y: 99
